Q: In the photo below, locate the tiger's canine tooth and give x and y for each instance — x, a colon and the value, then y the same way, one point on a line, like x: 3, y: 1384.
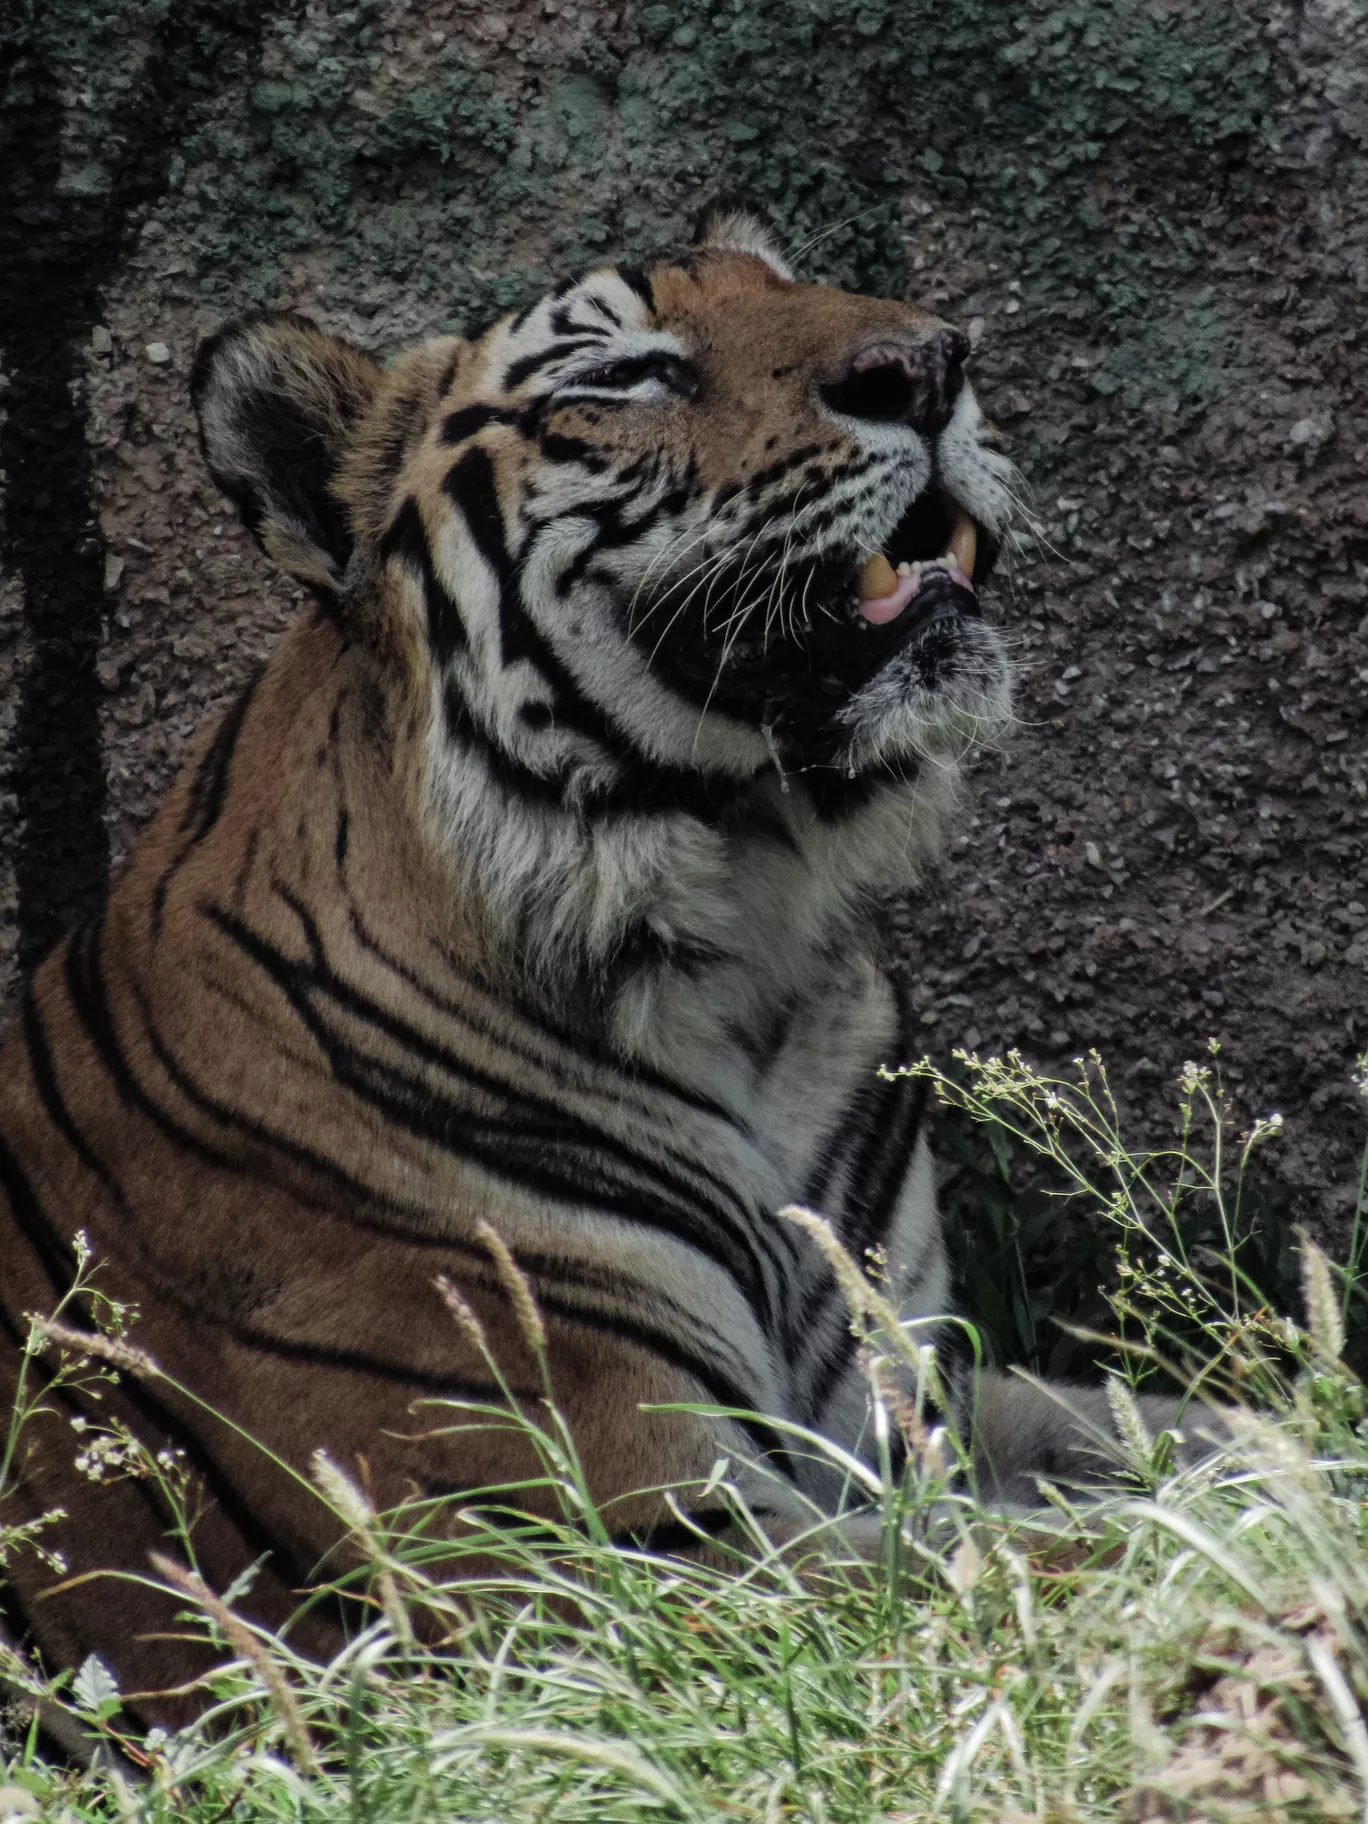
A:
x: 963, y: 547
x: 877, y: 578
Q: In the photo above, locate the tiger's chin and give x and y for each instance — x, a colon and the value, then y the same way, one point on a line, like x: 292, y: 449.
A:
x: 936, y: 687
x: 941, y: 698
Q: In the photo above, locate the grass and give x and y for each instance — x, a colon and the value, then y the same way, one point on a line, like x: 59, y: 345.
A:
x: 1192, y: 1646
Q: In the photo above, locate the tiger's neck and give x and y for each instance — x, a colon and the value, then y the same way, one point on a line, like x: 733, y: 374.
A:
x: 787, y: 920
x: 677, y: 938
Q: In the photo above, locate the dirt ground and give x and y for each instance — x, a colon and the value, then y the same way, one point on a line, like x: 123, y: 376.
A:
x: 1151, y: 220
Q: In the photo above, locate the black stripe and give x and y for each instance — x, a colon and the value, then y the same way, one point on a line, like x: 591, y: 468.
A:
x: 829, y: 1156
x: 406, y: 537
x: 563, y: 323
x: 636, y: 279
x: 85, y: 984
x: 528, y: 365
x: 875, y: 1135
x: 603, y: 307
x: 449, y: 373
x: 703, y: 1340
x: 492, y: 1022
x: 236, y: 1122
x: 208, y: 790
x: 209, y: 786
x: 556, y: 447
x: 679, y: 375
x: 879, y: 1169
x: 470, y: 482
x: 244, y: 873
x: 673, y: 1538
x: 648, y: 786
x: 720, y: 1389
x: 777, y: 470
x: 871, y: 1145
x: 50, y: 1094
x: 651, y: 791
x: 548, y: 1272
x: 501, y: 1085
x: 522, y: 784
x: 405, y: 416
x: 53, y: 1252
x: 468, y: 420
x: 89, y: 1000
x: 530, y: 1142
x: 826, y: 1371
x: 357, y: 1361
x: 836, y: 797
x: 612, y: 528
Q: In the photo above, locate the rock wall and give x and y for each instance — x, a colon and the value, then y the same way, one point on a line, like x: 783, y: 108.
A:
x: 1150, y: 216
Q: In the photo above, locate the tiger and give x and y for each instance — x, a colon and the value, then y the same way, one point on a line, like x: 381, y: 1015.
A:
x: 531, y: 888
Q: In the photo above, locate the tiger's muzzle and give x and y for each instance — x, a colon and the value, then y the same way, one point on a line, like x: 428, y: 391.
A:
x: 788, y: 645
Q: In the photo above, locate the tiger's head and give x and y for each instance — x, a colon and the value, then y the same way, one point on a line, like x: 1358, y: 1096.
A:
x: 662, y: 545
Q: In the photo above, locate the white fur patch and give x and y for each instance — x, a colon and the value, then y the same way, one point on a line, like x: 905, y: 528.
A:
x: 739, y: 232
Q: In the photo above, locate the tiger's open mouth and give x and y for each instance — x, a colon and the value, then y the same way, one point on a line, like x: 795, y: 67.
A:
x: 926, y: 578
x: 789, y: 644
x: 934, y: 537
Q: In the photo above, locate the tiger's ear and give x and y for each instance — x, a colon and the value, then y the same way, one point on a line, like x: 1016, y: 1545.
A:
x: 731, y: 227
x: 278, y: 401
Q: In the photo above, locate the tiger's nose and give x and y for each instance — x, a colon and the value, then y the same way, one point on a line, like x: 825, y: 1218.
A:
x: 915, y: 383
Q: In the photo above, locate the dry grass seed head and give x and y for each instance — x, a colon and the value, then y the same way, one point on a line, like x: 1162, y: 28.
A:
x: 516, y: 1287
x: 247, y: 1645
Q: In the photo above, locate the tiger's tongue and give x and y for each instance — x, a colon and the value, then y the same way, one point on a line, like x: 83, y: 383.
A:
x: 884, y: 593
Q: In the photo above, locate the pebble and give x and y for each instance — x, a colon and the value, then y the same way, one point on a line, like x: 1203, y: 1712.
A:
x: 101, y: 341
x: 113, y: 572
x: 157, y: 353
